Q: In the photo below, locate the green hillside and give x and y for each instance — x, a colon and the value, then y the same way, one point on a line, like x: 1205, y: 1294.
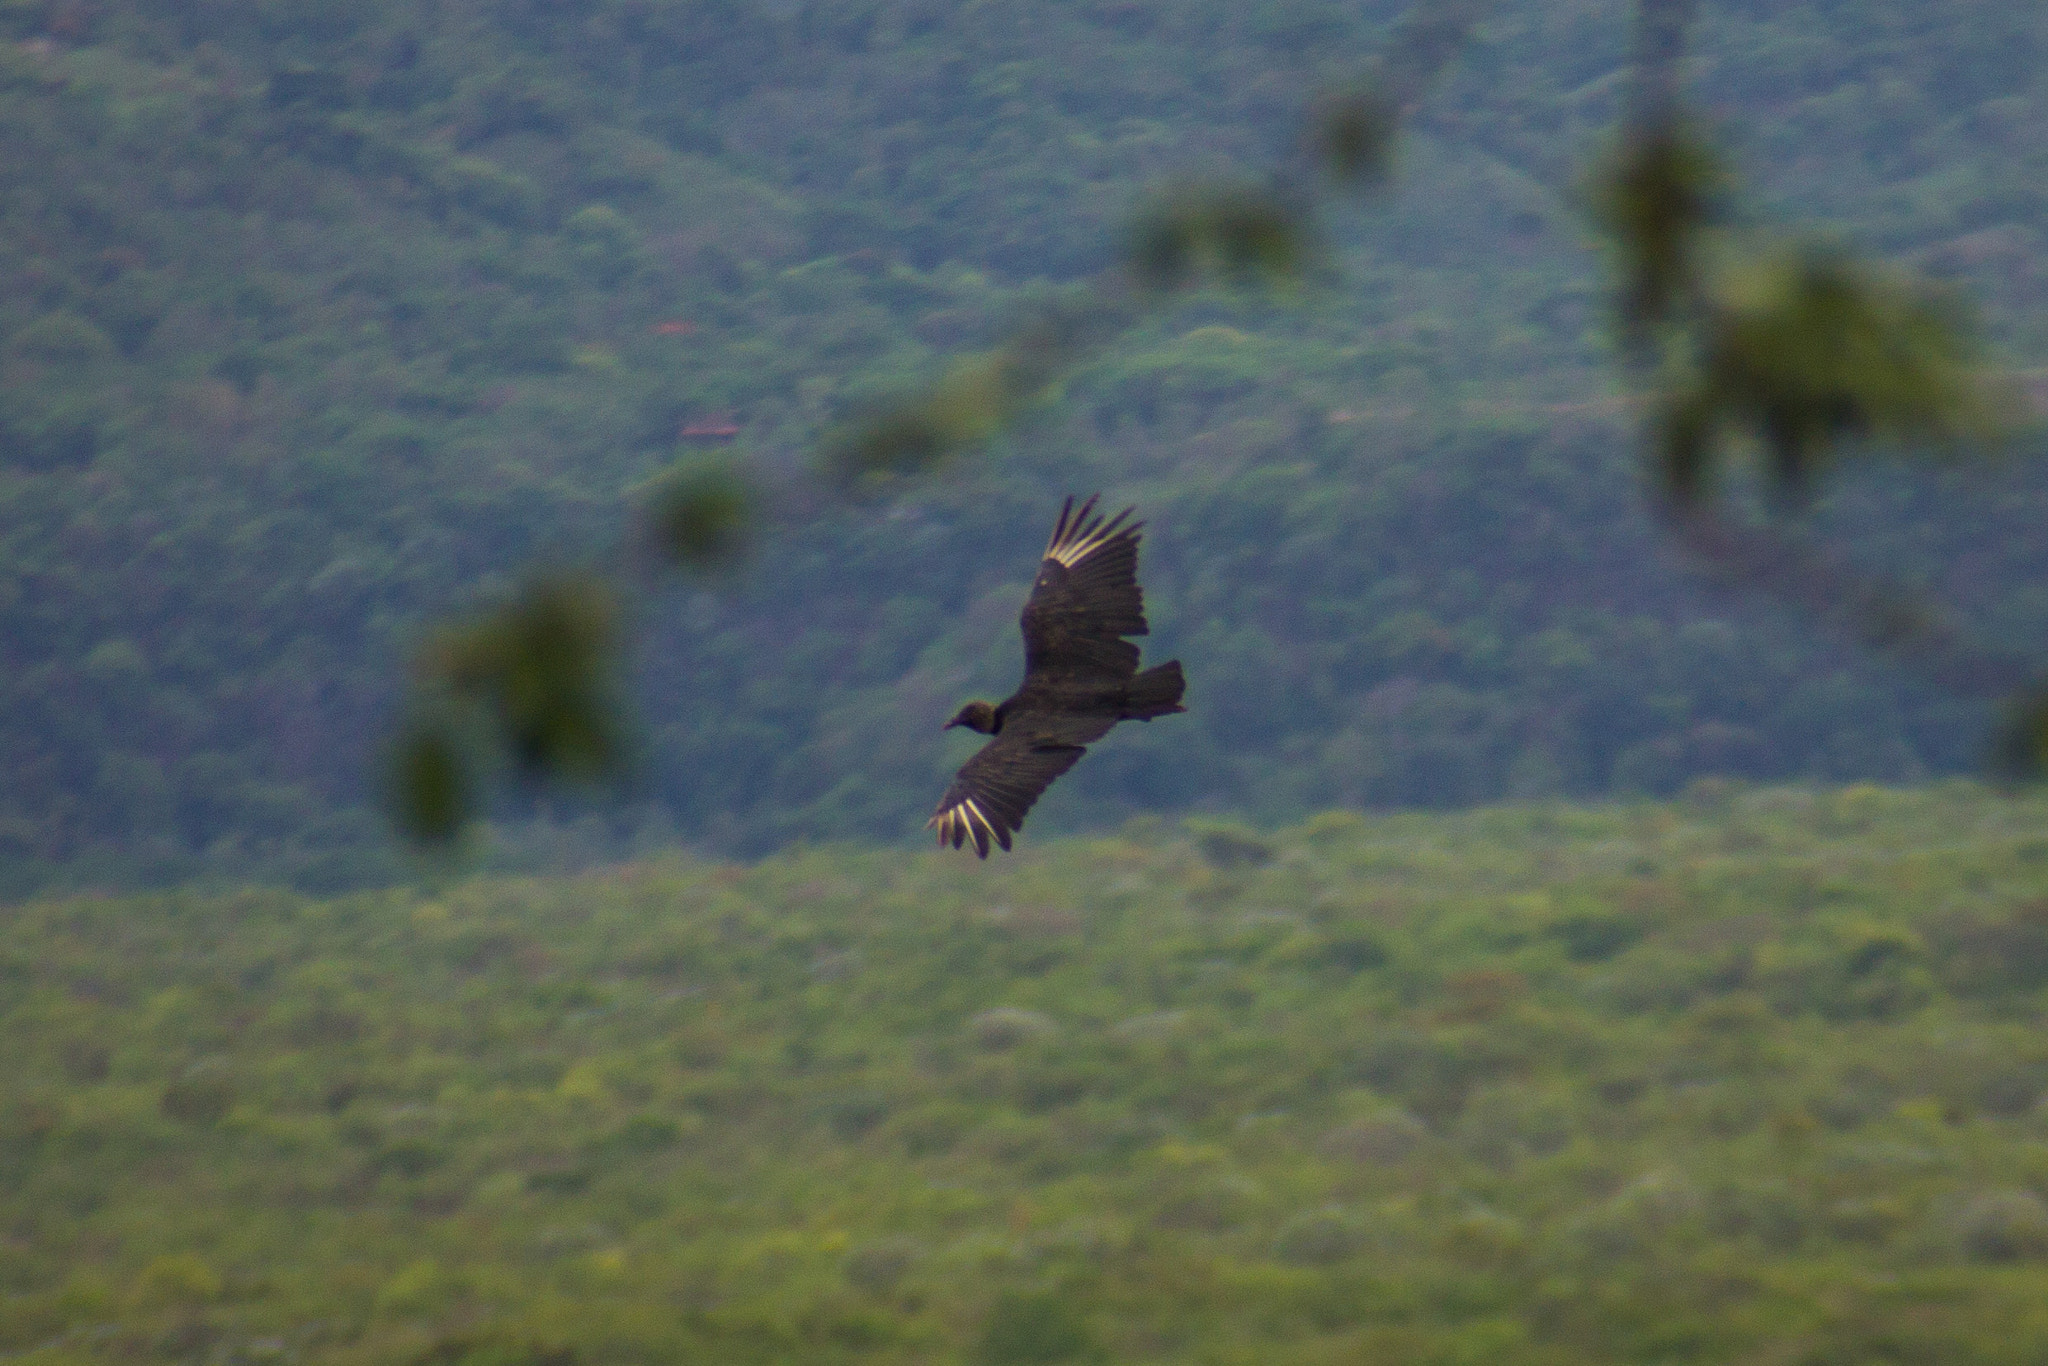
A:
x: 318, y: 321
x: 1756, y: 1076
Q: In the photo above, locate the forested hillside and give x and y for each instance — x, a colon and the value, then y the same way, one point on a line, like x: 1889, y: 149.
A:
x: 1754, y: 1077
x: 317, y: 321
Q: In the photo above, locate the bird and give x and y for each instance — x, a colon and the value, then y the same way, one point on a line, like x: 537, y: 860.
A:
x: 1080, y: 678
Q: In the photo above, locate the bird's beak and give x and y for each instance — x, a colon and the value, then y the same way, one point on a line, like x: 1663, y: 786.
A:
x: 950, y: 724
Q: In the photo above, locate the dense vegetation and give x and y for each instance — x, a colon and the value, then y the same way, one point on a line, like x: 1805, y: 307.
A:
x: 1754, y: 1076
x: 317, y: 320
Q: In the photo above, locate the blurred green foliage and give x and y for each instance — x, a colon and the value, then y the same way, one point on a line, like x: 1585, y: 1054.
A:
x: 1753, y: 1074
x: 1812, y: 354
x: 536, y: 666
x: 1238, y: 234
x: 431, y: 791
x: 1353, y: 137
x: 1242, y: 234
x: 701, y: 513
x: 1655, y: 204
x: 1806, y: 352
x: 1805, y: 355
x: 977, y: 398
x: 530, y: 678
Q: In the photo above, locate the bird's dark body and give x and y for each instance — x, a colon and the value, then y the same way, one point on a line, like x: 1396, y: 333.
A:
x: 1080, y: 678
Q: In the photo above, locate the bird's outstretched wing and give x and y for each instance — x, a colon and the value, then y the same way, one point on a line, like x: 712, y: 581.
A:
x: 987, y: 801
x: 1086, y: 598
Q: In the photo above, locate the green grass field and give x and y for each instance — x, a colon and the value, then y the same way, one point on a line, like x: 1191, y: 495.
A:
x: 1747, y: 1077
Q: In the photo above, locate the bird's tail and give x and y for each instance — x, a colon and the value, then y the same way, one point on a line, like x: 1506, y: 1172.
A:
x: 1155, y: 692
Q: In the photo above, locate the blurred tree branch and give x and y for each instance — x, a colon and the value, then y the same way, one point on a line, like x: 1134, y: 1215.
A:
x: 1807, y: 357
x: 1250, y: 234
x: 524, y: 684
x: 1797, y: 352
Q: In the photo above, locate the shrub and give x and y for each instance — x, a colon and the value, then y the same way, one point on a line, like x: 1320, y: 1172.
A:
x: 1033, y: 1328
x: 61, y: 339
x: 2003, y: 1226
x: 1005, y: 1027
x: 1319, y: 1237
x: 1382, y: 1138
x: 878, y: 1267
x: 180, y: 1278
x: 204, y: 1099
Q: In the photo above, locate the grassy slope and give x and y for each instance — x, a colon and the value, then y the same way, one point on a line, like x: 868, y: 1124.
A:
x: 1746, y: 1078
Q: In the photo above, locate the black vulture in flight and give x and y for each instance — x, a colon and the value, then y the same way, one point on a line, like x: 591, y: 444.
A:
x: 1080, y: 678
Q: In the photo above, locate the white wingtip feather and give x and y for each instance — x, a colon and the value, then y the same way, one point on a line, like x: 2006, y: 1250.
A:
x: 1075, y: 538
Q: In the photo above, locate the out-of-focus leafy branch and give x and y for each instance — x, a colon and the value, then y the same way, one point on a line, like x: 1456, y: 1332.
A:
x: 1252, y: 233
x: 1800, y: 348
x: 1796, y: 352
x: 1802, y: 355
x: 531, y: 674
x: 526, y: 686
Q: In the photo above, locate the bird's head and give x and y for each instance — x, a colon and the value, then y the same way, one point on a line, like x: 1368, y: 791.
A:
x: 979, y: 716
